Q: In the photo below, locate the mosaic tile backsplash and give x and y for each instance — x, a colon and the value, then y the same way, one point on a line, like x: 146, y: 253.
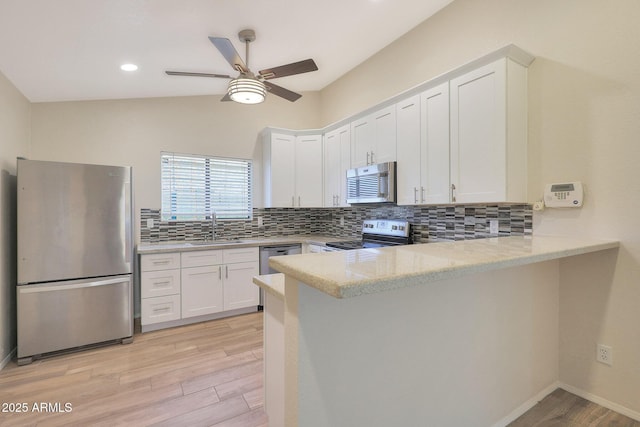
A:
x: 429, y: 223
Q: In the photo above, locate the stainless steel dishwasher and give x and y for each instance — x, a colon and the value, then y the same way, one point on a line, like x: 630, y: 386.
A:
x: 267, y: 252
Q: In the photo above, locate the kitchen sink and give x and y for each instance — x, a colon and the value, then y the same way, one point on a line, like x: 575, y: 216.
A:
x: 214, y: 242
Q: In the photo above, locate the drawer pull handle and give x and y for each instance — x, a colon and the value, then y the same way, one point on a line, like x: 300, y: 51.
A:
x: 163, y: 283
x: 161, y: 261
x: 161, y: 309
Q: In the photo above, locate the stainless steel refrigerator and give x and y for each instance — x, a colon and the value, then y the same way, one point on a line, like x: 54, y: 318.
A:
x: 75, y: 256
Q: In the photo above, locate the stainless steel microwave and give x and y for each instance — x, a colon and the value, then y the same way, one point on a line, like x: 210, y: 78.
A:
x: 372, y: 184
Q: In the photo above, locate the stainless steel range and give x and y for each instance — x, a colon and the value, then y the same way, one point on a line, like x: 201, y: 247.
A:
x: 377, y: 233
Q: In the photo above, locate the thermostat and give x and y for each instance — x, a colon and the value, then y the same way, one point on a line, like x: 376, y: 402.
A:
x: 564, y: 195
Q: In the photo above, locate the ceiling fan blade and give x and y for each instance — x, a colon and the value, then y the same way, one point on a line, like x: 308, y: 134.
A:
x: 290, y: 69
x: 185, y: 73
x: 230, y: 53
x: 282, y: 92
x: 225, y: 98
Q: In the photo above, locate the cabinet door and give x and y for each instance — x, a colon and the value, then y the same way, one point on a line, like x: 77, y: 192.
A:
x: 409, y: 151
x: 280, y: 171
x: 308, y: 171
x: 434, y: 152
x: 331, y: 168
x: 239, y: 289
x: 384, y: 132
x: 362, y: 142
x: 202, y: 291
x: 478, y: 134
x: 337, y: 159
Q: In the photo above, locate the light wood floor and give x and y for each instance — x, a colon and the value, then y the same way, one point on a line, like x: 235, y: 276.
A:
x: 563, y: 409
x: 208, y: 374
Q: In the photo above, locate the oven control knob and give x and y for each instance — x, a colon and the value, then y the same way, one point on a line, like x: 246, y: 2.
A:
x: 394, y: 227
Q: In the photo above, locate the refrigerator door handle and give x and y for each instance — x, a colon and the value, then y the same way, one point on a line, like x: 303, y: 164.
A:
x: 127, y: 225
x: 29, y: 289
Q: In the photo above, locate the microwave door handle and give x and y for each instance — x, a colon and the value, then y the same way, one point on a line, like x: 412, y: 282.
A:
x: 382, y: 185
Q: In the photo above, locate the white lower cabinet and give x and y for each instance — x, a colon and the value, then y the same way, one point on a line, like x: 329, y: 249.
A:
x: 159, y: 309
x: 239, y: 290
x: 202, y: 291
x: 159, y: 288
x: 196, y: 283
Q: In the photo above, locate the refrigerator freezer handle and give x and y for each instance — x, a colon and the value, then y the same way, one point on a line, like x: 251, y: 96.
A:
x: 40, y: 288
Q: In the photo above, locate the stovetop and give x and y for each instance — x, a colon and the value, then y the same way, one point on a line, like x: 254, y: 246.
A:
x: 378, y: 233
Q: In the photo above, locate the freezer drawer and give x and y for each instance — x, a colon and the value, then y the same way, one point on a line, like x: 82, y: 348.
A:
x: 62, y: 315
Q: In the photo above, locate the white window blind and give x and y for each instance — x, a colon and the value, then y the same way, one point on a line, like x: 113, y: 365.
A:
x: 194, y: 186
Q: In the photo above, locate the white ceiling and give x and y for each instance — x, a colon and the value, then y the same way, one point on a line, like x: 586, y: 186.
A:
x: 72, y: 49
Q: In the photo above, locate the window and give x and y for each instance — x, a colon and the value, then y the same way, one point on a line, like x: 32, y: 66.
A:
x: 194, y: 186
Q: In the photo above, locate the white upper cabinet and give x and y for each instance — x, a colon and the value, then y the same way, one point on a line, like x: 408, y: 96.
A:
x: 373, y: 138
x: 279, y: 171
x: 462, y: 140
x: 434, y: 143
x: 292, y: 168
x: 308, y: 166
x: 337, y: 159
x: 489, y: 134
x: 408, y: 180
x: 423, y: 147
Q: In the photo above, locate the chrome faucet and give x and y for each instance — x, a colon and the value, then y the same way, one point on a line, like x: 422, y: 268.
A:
x: 213, y: 226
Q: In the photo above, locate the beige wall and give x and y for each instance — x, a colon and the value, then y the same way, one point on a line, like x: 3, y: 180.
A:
x: 584, y: 124
x: 14, y: 142
x: 133, y: 132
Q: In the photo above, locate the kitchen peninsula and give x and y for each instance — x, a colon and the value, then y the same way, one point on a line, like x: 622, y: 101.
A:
x: 441, y: 334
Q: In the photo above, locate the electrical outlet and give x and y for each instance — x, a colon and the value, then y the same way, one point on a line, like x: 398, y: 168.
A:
x: 604, y: 354
x: 341, y: 221
x: 493, y: 226
x: 149, y: 222
x: 260, y: 222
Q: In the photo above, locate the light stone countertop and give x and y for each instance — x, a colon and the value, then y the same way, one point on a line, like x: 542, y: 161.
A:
x: 182, y: 246
x: 271, y: 283
x: 358, y: 272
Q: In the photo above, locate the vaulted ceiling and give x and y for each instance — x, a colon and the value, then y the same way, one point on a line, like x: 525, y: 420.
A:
x: 72, y: 49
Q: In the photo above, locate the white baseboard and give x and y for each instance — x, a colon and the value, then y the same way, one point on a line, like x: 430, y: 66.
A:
x: 520, y: 410
x: 600, y: 401
x: 7, y: 359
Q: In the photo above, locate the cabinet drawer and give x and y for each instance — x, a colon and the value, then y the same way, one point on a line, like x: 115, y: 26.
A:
x: 240, y: 255
x: 154, y: 262
x: 159, y: 309
x: 159, y: 283
x: 201, y: 258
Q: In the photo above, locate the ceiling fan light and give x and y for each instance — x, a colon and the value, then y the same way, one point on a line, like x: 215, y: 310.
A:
x: 247, y: 90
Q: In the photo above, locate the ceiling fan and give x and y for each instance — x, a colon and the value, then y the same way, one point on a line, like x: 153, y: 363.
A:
x: 249, y: 88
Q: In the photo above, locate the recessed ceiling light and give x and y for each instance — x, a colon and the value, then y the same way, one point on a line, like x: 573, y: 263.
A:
x: 128, y: 67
